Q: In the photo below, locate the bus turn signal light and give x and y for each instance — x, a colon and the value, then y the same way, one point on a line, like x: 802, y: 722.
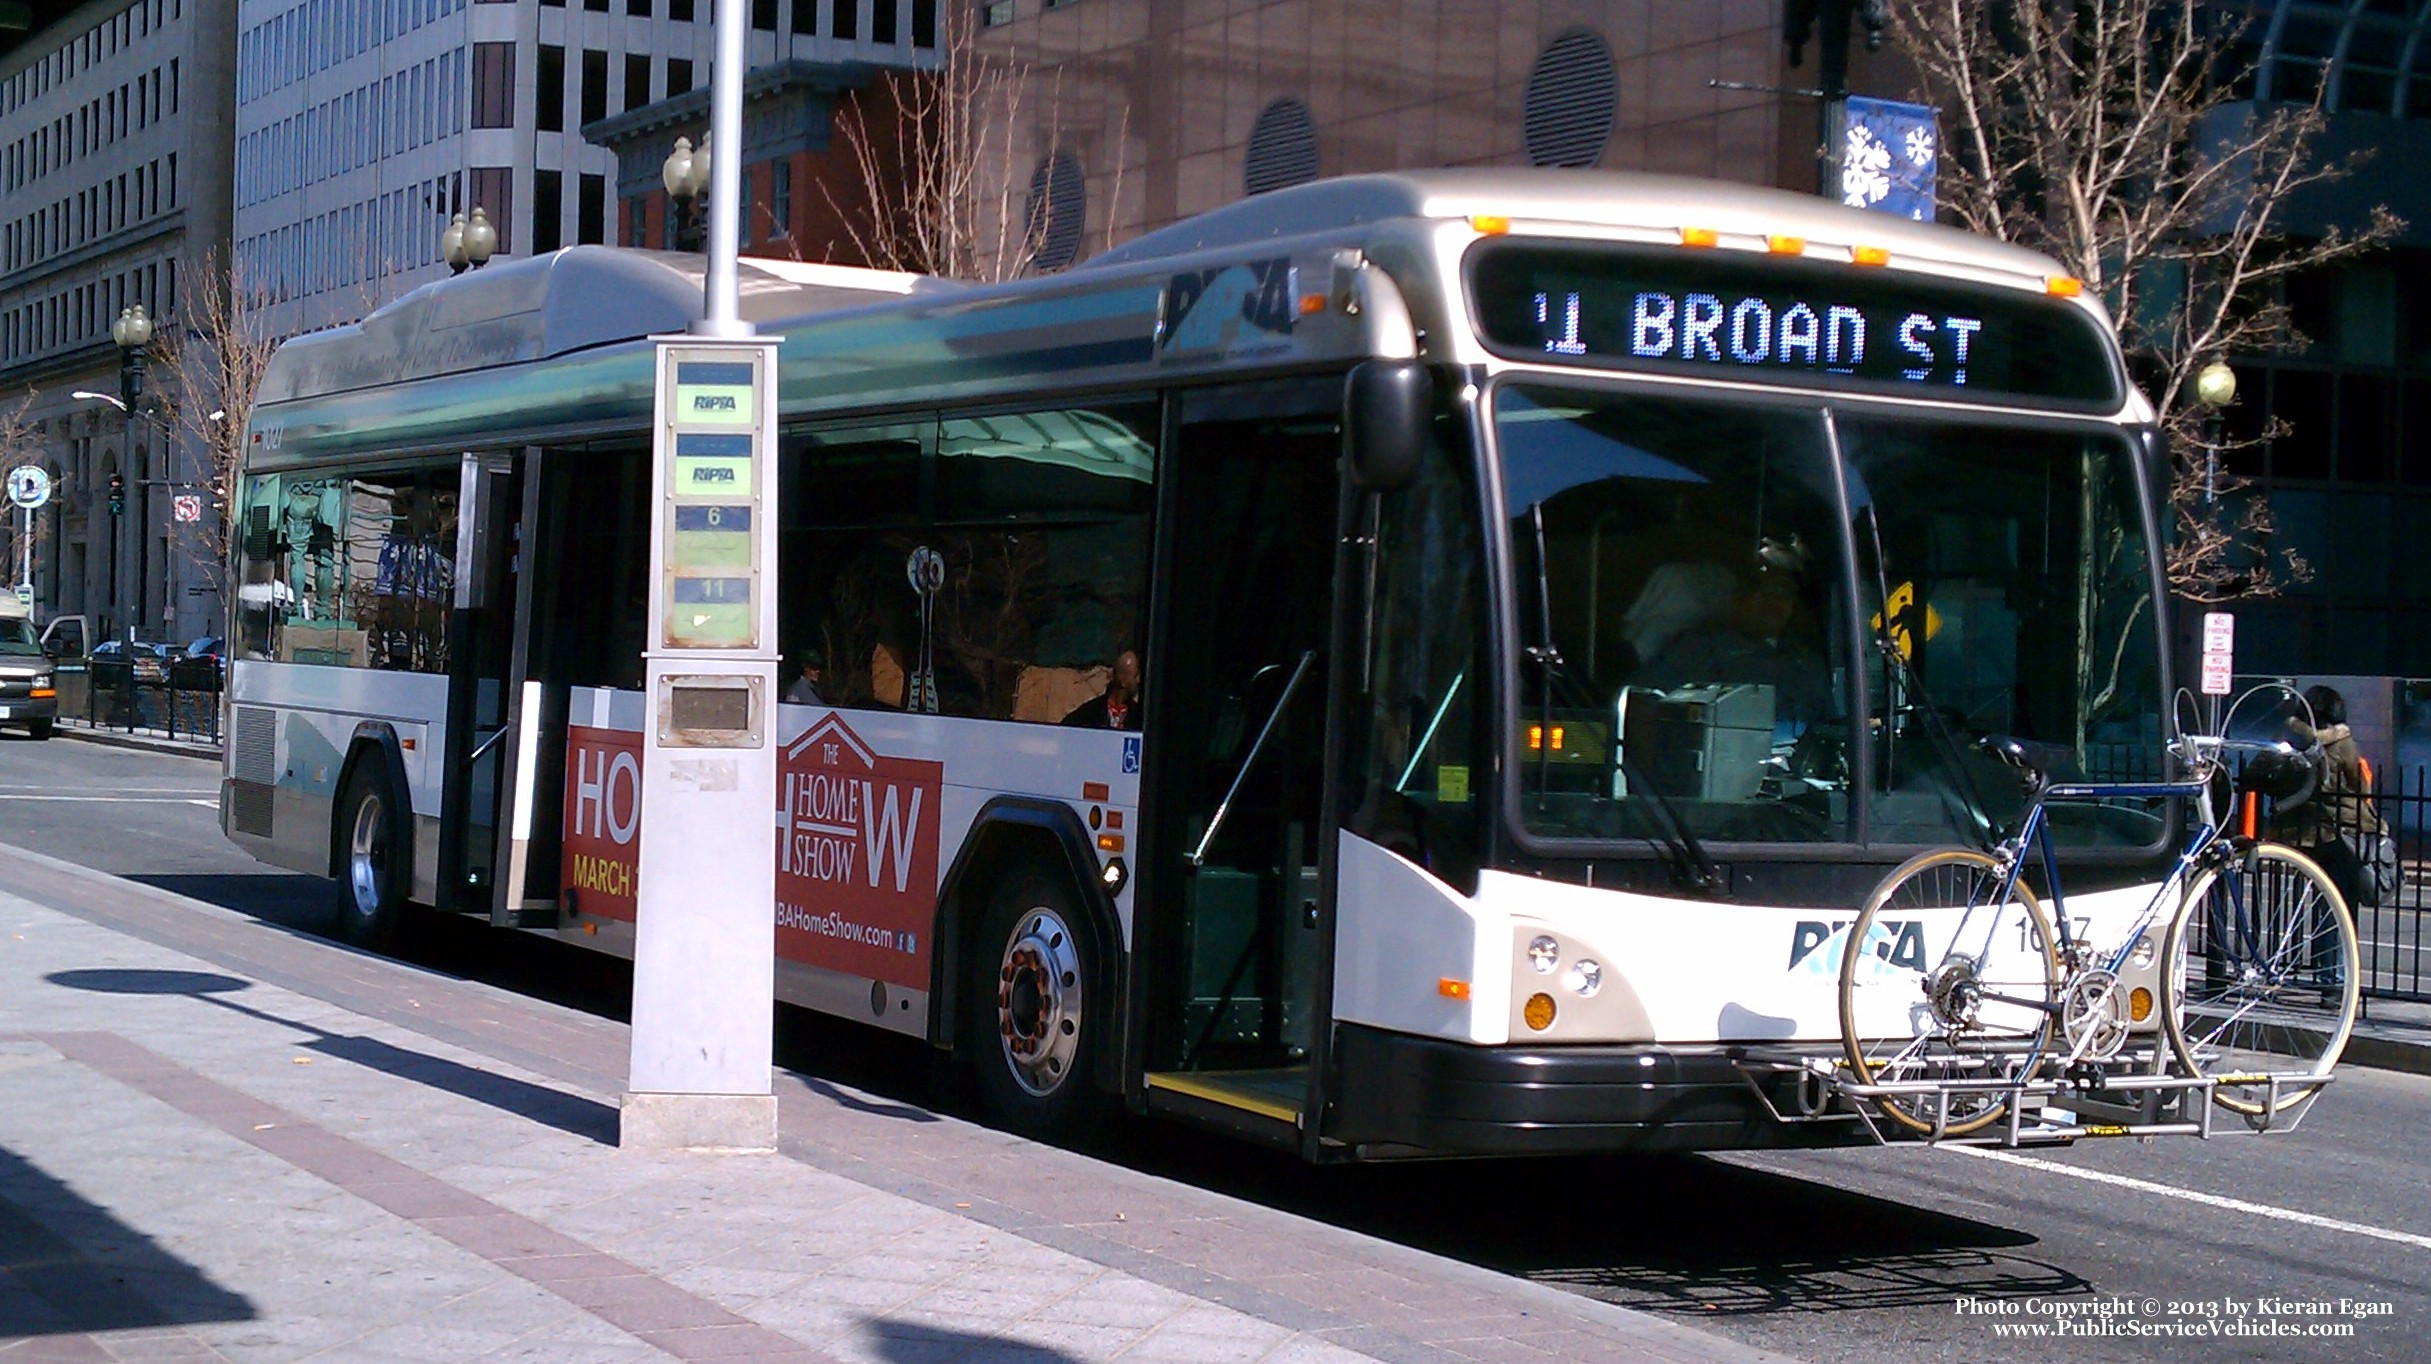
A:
x: 1538, y: 1011
x: 2139, y: 1004
x: 1452, y: 989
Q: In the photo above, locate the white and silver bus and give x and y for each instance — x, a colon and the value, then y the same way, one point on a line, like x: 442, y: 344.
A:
x: 1390, y: 667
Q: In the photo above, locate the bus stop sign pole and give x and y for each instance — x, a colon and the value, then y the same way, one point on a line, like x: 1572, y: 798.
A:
x: 704, y: 954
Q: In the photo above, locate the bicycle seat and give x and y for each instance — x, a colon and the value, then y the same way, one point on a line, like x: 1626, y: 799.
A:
x: 2033, y: 759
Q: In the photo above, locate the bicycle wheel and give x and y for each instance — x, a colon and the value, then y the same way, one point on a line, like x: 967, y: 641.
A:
x: 1938, y: 982
x: 2261, y: 975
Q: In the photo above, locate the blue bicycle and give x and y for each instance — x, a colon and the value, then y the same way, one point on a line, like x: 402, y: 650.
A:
x: 1958, y: 989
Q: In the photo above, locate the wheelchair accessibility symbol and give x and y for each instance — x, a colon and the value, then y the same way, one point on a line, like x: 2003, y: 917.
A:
x: 1131, y: 755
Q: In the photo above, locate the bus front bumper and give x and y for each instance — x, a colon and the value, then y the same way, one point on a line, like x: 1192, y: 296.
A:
x: 1399, y: 1094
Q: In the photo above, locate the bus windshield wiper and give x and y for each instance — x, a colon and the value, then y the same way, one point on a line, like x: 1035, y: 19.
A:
x: 1690, y: 864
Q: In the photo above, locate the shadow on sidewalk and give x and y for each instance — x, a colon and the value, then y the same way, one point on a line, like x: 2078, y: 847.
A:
x: 77, y: 1269
x: 553, y: 1108
x: 904, y: 1342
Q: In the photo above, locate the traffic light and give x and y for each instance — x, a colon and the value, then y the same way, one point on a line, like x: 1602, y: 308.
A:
x: 118, y: 494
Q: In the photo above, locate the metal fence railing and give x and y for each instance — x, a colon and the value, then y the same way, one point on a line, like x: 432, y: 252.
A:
x: 179, y: 701
x: 2394, y: 935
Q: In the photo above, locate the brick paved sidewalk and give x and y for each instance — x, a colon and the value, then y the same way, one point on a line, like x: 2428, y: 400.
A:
x: 222, y: 1140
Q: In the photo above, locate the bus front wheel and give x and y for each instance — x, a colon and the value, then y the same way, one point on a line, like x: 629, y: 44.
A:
x: 1033, y: 1010
x: 371, y: 867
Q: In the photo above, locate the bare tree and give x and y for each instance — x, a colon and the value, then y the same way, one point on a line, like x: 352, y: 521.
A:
x: 17, y: 447
x: 934, y: 154
x: 2112, y: 135
x: 214, y: 362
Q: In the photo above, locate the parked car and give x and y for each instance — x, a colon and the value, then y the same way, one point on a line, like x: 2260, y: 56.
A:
x: 151, y: 661
x: 202, y: 662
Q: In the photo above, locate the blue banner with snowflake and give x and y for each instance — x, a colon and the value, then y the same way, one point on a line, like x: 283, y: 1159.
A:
x: 1888, y: 152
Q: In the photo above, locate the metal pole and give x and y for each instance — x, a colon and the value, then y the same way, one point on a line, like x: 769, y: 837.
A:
x: 721, y: 305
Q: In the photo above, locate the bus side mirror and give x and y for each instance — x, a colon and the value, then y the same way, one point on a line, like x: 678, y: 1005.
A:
x: 1387, y: 406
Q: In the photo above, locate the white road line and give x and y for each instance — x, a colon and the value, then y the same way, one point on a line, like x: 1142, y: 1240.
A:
x: 120, y: 800
x: 2403, y: 1238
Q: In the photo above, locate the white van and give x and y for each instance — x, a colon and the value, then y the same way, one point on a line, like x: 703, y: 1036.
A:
x: 27, y: 694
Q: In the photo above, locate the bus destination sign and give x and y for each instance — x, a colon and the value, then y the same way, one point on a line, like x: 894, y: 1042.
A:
x: 1786, y: 320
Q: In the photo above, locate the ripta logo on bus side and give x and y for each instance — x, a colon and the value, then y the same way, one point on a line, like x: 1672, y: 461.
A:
x: 856, y: 856
x: 1893, y: 942
x: 1228, y: 309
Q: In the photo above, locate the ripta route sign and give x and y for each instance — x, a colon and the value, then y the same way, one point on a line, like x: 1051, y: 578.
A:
x: 856, y: 856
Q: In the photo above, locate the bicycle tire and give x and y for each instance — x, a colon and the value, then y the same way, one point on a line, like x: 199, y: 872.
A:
x: 1876, y: 980
x: 2277, y: 979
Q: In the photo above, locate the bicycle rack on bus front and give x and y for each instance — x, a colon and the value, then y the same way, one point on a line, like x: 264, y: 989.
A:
x: 2167, y: 1105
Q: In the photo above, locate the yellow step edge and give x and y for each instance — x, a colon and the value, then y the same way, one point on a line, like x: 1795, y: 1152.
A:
x: 1200, y: 1087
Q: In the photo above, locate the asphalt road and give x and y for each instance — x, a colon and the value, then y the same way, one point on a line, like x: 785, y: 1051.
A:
x: 1903, y: 1254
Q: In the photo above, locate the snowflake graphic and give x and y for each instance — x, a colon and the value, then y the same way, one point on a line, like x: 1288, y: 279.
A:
x: 1864, y: 167
x: 1920, y: 147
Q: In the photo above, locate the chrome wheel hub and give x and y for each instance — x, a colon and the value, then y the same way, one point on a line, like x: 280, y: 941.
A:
x: 2093, y: 1015
x: 1953, y: 991
x: 367, y: 857
x: 1038, y: 1002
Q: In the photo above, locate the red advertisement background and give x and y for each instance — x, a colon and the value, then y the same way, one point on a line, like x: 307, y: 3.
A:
x: 603, y: 800
x: 856, y: 856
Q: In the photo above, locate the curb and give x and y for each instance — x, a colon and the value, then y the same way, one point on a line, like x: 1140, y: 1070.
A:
x: 2384, y: 1053
x: 140, y: 742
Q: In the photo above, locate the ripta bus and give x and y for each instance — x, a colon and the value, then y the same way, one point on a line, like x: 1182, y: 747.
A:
x: 1391, y: 667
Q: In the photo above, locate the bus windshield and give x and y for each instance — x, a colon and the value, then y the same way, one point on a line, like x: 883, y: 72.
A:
x: 1703, y: 589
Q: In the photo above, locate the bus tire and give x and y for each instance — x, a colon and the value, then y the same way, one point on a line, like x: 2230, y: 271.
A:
x: 1035, y: 1008
x: 40, y: 729
x: 371, y: 871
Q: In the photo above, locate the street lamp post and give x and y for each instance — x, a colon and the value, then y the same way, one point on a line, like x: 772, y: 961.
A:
x: 2215, y: 388
x: 468, y: 245
x: 133, y: 333
x: 686, y: 176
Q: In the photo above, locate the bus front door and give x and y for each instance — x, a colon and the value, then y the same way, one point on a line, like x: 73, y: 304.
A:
x: 483, y: 688
x: 1235, y: 716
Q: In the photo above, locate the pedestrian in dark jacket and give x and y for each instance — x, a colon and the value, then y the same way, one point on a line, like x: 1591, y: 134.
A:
x: 2341, y: 803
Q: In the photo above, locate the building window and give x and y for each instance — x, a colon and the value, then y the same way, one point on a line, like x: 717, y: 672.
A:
x: 594, y: 86
x: 780, y: 200
x: 679, y: 76
x: 844, y: 21
x: 591, y: 209
x: 806, y: 16
x: 742, y: 210
x: 637, y: 81
x: 549, y: 90
x: 1058, y: 208
x: 493, y: 191
x: 1282, y: 148
x: 493, y: 85
x: 764, y: 15
x: 637, y: 220
x: 924, y: 23
x: 882, y: 21
x: 1572, y: 94
x: 996, y: 14
x: 548, y: 208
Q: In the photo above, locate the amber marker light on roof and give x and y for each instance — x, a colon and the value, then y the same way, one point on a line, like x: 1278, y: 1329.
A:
x: 1781, y: 245
x: 1491, y: 224
x: 2063, y: 286
x: 1869, y: 255
x: 1699, y: 236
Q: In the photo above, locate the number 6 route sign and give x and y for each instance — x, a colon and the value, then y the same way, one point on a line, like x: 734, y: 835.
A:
x: 28, y: 487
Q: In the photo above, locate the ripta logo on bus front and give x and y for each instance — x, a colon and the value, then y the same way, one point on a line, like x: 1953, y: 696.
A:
x: 1894, y: 942
x: 603, y: 821
x: 856, y: 856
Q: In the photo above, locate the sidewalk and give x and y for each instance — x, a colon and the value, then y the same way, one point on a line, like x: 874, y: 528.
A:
x: 2392, y: 1034
x: 222, y: 1140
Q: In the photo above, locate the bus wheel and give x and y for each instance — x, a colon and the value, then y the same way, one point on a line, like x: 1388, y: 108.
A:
x: 40, y: 729
x: 1034, y: 1010
x: 367, y: 843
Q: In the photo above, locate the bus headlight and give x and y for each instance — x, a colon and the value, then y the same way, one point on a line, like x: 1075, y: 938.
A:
x: 2141, y: 957
x: 1585, y: 978
x: 1544, y: 954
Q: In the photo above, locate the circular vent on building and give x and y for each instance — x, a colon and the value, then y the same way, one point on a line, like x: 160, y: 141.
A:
x: 1058, y: 206
x: 1571, y: 95
x: 1282, y: 148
